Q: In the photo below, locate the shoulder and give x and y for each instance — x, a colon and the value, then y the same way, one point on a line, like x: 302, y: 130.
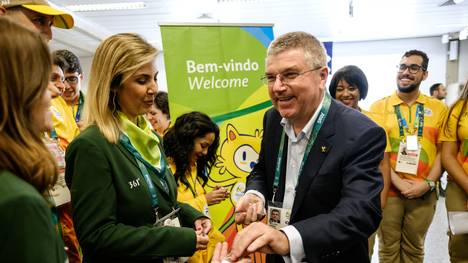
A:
x: 18, y: 194
x: 91, y: 135
x: 379, y: 104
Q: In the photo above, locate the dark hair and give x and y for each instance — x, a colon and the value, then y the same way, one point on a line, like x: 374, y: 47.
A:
x: 71, y: 59
x: 415, y: 52
x: 354, y: 76
x: 178, y: 145
x: 162, y: 103
x: 60, y: 62
x: 434, y: 88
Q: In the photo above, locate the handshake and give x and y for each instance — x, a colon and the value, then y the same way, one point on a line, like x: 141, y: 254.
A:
x: 255, y: 237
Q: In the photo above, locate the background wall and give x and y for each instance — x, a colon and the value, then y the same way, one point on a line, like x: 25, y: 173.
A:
x: 378, y: 60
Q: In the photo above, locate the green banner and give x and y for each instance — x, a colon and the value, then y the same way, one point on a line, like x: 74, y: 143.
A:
x: 217, y: 69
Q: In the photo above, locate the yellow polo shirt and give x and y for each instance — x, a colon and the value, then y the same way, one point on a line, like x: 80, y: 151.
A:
x: 63, y: 117
x: 434, y: 114
x: 452, y: 133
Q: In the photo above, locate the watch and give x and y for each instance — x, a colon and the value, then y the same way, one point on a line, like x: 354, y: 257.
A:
x: 430, y: 183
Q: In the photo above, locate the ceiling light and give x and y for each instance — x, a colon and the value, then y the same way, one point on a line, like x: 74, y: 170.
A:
x: 107, y: 7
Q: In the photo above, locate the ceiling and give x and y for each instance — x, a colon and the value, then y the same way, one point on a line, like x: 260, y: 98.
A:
x: 329, y: 20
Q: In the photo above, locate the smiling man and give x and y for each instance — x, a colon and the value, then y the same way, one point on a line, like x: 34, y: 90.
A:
x: 412, y: 121
x: 318, y: 165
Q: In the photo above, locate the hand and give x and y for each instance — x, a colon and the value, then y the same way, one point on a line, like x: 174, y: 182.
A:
x: 403, y: 184
x: 220, y: 254
x: 249, y: 208
x: 203, y: 225
x: 259, y: 237
x: 202, y: 240
x: 216, y: 196
x: 416, y: 189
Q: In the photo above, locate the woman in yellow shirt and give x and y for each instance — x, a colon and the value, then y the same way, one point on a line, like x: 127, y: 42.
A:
x: 455, y: 160
x: 190, y: 146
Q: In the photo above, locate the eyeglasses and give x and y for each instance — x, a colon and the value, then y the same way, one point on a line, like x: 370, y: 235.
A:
x: 413, y: 68
x: 71, y: 79
x: 285, y: 77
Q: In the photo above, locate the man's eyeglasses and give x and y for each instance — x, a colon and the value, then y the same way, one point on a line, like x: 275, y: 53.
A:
x: 71, y: 79
x: 285, y: 77
x: 413, y: 68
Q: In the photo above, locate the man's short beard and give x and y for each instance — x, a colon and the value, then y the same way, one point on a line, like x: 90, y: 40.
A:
x: 409, y: 89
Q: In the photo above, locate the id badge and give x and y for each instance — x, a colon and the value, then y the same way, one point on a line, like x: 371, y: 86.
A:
x: 412, y: 143
x: 407, y: 160
x: 59, y: 192
x: 277, y: 216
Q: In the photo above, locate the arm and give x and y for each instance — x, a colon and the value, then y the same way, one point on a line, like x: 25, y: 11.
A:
x: 385, y: 169
x: 96, y: 202
x: 28, y: 234
x: 358, y: 213
x: 453, y: 167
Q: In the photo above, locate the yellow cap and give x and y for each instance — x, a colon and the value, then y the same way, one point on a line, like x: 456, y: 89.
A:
x: 61, y: 18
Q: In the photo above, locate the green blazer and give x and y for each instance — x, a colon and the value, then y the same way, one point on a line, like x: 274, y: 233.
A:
x: 111, y: 205
x: 27, y: 233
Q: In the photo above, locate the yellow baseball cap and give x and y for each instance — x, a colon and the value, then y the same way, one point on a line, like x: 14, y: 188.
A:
x: 61, y: 18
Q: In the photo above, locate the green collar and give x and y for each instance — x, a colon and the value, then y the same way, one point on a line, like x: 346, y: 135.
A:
x: 142, y: 138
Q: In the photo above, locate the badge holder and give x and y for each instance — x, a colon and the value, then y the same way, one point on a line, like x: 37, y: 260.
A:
x: 408, y: 155
x: 59, y: 192
x: 171, y: 220
x: 277, y: 216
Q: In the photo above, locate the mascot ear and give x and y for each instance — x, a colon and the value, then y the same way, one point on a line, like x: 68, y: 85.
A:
x: 231, y: 133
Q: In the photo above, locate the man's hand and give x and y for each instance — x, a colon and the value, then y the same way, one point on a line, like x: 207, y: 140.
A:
x: 417, y: 189
x: 203, y: 225
x: 259, y: 237
x: 220, y: 254
x: 250, y: 208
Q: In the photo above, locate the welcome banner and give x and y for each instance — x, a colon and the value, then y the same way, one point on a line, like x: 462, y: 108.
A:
x: 217, y: 69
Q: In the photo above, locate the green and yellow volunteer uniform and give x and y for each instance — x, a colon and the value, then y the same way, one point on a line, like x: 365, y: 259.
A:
x: 406, y: 221
x: 65, y: 119
x: 113, y: 201
x: 456, y: 198
x: 27, y: 231
x: 194, y: 195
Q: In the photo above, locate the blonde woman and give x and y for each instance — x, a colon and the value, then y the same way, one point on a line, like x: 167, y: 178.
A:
x: 27, y: 169
x: 123, y: 195
x: 455, y: 160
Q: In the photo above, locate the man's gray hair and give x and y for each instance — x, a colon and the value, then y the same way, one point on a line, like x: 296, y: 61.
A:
x: 314, y: 50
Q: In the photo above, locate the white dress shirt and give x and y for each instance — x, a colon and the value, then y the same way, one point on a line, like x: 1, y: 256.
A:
x: 296, y: 147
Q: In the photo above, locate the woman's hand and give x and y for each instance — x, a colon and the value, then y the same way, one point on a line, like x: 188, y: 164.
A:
x: 202, y: 240
x: 203, y: 225
x: 217, y: 195
x: 220, y: 254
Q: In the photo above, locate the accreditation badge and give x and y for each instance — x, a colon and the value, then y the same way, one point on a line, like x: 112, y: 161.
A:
x: 59, y: 192
x: 408, y: 159
x: 172, y: 220
x: 277, y: 216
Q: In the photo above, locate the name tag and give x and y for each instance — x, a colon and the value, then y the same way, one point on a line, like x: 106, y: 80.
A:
x: 407, y: 160
x: 278, y: 217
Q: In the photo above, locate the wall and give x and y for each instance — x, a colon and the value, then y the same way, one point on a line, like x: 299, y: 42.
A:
x: 378, y: 59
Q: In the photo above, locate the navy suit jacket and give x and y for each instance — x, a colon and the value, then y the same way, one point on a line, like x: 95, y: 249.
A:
x: 337, y: 202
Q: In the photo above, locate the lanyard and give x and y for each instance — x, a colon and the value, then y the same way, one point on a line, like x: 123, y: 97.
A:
x: 194, y: 189
x: 143, y: 165
x: 313, y: 136
x: 80, y: 107
x: 418, y: 121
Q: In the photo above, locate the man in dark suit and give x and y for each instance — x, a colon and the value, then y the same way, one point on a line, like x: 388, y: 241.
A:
x: 319, y: 161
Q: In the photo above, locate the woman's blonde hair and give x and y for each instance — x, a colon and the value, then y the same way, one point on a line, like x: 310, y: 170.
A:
x: 116, y: 59
x: 25, y: 67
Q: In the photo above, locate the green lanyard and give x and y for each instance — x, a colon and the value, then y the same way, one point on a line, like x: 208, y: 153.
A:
x: 143, y: 165
x: 80, y: 107
x: 418, y: 121
x: 313, y: 136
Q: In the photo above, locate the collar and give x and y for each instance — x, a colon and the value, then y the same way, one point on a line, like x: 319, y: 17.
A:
x: 142, y: 138
x: 395, y: 100
x: 288, y: 127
